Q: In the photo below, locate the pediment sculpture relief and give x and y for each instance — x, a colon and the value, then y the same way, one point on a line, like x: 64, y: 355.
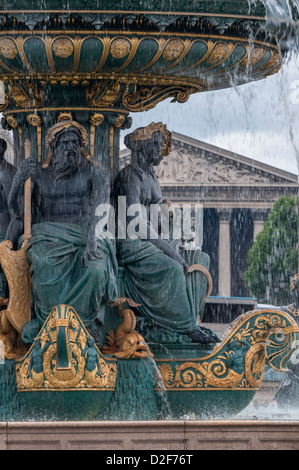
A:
x: 186, y: 166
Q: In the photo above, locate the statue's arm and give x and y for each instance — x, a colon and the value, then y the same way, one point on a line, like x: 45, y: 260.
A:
x: 7, y: 176
x: 133, y: 192
x: 27, y: 169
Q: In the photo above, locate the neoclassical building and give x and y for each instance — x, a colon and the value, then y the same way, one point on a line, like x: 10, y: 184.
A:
x: 236, y: 192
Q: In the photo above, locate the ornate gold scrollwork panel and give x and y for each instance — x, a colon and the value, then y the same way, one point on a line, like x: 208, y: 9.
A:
x: 43, y: 368
x: 253, y: 339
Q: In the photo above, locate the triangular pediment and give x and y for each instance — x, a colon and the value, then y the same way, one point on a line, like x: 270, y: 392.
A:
x: 193, y: 162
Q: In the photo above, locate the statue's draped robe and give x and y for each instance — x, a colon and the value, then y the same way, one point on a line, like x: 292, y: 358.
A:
x: 57, y: 277
x: 168, y: 298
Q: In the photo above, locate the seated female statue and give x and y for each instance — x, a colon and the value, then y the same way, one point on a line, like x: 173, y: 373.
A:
x: 157, y: 270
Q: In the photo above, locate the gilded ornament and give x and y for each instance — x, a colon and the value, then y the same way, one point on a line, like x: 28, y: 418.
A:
x: 119, y: 121
x: 293, y: 282
x: 239, y: 362
x: 18, y: 311
x: 125, y: 342
x: 26, y: 96
x: 19, y: 96
x: 8, y: 48
x: 96, y: 119
x: 120, y: 48
x: 145, y: 133
x: 34, y: 119
x: 219, y: 53
x: 63, y: 48
x: 11, y: 121
x: 255, y: 55
x: 103, y: 93
x: 173, y: 49
x: 41, y: 367
x: 64, y: 117
x: 294, y: 311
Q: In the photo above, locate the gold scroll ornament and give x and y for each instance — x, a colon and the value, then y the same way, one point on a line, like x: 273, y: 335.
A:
x: 16, y: 270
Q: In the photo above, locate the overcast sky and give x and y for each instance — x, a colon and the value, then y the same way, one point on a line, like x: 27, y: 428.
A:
x: 259, y: 120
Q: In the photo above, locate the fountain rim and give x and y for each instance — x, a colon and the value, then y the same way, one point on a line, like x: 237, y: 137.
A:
x: 153, y: 12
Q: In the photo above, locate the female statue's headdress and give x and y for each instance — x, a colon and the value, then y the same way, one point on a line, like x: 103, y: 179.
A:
x: 145, y: 133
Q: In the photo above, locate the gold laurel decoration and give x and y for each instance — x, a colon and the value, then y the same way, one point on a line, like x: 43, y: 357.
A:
x: 145, y: 133
x: 59, y: 126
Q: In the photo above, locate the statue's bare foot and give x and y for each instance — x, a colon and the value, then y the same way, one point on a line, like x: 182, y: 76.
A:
x: 203, y: 335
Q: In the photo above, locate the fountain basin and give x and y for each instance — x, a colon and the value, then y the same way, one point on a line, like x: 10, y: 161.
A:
x: 175, y: 51
x: 180, y: 380
x: 99, y: 62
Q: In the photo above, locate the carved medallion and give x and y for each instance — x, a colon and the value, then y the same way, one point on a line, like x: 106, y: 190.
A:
x: 63, y: 48
x: 220, y: 52
x: 120, y: 48
x: 173, y: 49
x: 8, y: 48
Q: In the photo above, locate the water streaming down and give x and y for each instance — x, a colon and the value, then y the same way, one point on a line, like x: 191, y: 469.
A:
x: 279, y: 12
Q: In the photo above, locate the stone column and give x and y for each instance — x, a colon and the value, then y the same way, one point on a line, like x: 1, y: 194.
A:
x: 259, y: 219
x: 224, y: 261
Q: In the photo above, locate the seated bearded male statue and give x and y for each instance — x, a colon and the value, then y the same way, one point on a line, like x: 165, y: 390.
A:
x: 68, y: 264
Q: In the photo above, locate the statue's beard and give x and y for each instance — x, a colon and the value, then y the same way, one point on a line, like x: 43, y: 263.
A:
x: 64, y: 164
